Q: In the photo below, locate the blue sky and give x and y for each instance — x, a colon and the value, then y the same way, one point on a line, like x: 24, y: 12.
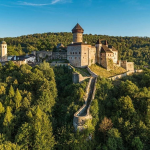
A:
x: 105, y: 17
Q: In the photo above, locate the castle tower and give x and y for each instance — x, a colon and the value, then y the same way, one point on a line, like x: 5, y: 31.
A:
x: 77, y: 34
x: 3, y: 51
x: 98, y: 50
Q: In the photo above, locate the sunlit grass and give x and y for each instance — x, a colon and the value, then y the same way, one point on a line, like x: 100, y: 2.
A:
x: 104, y: 73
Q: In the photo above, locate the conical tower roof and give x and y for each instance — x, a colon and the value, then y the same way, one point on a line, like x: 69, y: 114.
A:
x: 77, y: 29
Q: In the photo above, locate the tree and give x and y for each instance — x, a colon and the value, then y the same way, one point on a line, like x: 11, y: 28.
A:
x: 128, y: 88
x: 17, y: 99
x: 126, y: 107
x: 105, y: 125
x: 7, y: 123
x: 11, y: 92
x: 147, y: 118
x: 114, y: 141
x: 137, y: 144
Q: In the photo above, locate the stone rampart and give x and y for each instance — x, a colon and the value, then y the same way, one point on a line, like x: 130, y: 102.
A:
x: 93, y: 96
x: 87, y: 91
x: 59, y: 64
x: 124, y: 74
x: 91, y: 72
x: 83, y: 114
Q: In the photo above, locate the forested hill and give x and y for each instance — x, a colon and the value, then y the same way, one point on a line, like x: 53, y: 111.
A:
x: 134, y: 49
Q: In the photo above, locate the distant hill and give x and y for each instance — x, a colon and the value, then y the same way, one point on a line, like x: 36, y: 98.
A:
x: 134, y: 49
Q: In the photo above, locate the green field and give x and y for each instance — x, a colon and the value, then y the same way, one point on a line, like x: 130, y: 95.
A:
x: 104, y: 73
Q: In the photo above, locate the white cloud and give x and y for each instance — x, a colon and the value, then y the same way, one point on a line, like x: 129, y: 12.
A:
x: 43, y: 4
x: 55, y: 1
x: 31, y: 4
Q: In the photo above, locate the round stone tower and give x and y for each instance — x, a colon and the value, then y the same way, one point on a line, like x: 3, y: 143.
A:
x: 77, y: 34
x: 3, y: 51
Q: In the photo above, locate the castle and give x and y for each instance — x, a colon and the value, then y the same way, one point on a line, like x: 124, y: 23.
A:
x: 81, y: 54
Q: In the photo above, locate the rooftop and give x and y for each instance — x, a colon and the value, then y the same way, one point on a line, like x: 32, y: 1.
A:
x: 77, y: 29
x: 3, y: 42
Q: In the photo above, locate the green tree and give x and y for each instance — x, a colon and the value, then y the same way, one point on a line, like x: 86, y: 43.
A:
x: 11, y: 92
x: 137, y: 144
x: 17, y: 99
x: 7, y: 123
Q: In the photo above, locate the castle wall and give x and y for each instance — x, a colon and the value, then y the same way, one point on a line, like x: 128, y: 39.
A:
x: 74, y: 55
x: 124, y: 64
x: 50, y: 55
x: 77, y: 37
x: 103, y: 60
x: 98, y: 51
x: 77, y: 78
x: 85, y: 55
x: 92, y: 56
x: 130, y: 66
x: 115, y: 59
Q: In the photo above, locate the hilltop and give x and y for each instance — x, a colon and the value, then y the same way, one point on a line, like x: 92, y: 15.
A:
x: 134, y: 49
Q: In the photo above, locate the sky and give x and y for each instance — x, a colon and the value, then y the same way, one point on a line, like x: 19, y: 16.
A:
x: 102, y: 17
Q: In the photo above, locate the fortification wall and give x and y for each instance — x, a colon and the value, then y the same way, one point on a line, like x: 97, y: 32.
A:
x: 80, y: 119
x: 91, y: 72
x: 130, y: 66
x: 124, y: 74
x: 59, y: 64
x: 77, y: 78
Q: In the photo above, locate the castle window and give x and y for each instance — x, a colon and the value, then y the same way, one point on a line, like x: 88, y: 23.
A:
x: 101, y: 58
x: 79, y: 52
x: 70, y: 52
x: 73, y: 52
x: 84, y: 53
x: 3, y: 46
x: 75, y: 57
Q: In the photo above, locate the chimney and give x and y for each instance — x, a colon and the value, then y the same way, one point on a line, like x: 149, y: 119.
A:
x: 106, y: 43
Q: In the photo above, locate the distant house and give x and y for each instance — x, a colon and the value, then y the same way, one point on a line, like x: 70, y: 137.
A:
x: 9, y: 58
x: 61, y: 47
x: 24, y: 59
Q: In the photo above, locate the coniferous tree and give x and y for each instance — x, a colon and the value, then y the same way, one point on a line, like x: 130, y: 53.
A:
x: 7, y: 123
x: 11, y: 92
x: 17, y: 99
